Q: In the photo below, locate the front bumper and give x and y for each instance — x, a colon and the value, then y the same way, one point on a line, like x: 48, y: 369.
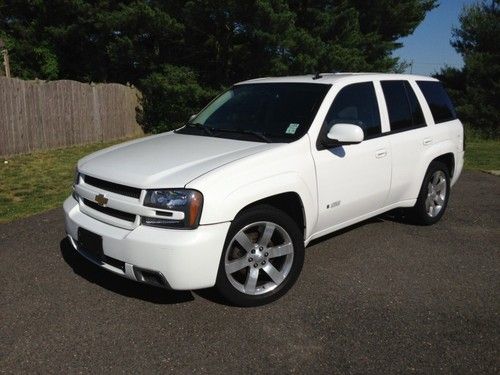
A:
x: 186, y: 259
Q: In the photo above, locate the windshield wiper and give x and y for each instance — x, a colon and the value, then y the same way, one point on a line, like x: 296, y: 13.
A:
x: 208, y: 130
x: 245, y: 131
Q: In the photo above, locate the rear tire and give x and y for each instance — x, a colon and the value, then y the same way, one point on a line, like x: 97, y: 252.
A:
x: 262, y: 257
x: 434, y: 194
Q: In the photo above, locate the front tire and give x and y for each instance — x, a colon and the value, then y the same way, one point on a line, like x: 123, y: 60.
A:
x: 434, y: 194
x: 262, y: 258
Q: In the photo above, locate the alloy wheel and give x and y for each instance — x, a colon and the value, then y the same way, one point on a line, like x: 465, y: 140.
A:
x: 259, y: 258
x: 436, y: 194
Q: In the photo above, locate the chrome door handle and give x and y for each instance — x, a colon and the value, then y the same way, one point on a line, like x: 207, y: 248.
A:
x: 380, y: 154
x: 427, y: 141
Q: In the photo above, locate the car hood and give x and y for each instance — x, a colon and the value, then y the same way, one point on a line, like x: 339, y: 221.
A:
x: 166, y: 160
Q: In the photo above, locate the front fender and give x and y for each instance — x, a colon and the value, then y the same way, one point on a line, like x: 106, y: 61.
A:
x: 268, y: 187
x: 284, y: 169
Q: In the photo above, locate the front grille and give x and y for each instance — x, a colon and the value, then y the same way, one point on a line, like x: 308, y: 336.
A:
x: 112, y: 187
x: 110, y: 211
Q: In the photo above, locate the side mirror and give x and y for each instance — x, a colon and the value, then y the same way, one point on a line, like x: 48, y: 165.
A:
x: 191, y: 117
x: 346, y: 134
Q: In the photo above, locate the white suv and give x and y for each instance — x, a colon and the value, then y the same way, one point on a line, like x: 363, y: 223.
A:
x: 232, y: 198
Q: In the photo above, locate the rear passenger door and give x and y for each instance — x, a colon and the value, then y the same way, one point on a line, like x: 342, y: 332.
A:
x: 409, y: 136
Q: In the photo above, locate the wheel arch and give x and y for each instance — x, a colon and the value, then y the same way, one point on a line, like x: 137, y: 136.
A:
x: 447, y: 159
x: 288, y: 202
x: 443, y: 152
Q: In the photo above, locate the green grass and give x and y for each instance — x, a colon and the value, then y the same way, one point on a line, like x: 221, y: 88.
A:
x: 482, y: 154
x: 36, y: 182
x: 33, y: 183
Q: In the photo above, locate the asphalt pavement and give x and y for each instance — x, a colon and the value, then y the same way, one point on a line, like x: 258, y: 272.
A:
x: 381, y: 297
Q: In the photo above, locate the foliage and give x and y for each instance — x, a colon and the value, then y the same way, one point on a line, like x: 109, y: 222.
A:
x: 206, y: 44
x: 171, y: 96
x: 476, y: 88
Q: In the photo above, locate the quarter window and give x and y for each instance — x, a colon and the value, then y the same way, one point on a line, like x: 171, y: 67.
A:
x: 439, y: 102
x: 356, y: 104
x: 403, y: 106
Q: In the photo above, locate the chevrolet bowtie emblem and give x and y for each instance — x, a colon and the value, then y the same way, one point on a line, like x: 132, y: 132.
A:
x: 101, y: 200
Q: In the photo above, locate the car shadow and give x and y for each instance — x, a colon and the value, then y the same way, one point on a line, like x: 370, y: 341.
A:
x: 397, y: 215
x: 118, y: 284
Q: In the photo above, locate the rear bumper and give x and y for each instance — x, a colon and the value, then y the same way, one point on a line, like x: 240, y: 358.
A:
x: 459, y: 166
x: 185, y: 259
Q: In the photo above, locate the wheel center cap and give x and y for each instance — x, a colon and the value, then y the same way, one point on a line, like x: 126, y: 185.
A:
x: 258, y: 256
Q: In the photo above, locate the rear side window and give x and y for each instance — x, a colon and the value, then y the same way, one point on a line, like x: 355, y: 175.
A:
x: 403, y: 106
x: 356, y: 104
x: 439, y: 102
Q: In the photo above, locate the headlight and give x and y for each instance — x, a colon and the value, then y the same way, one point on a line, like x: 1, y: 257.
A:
x: 186, y: 202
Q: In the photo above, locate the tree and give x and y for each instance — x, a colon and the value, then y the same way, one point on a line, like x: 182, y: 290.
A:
x: 476, y: 88
x: 168, y: 48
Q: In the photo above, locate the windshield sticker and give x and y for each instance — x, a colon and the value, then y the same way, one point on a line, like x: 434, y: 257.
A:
x: 292, y: 128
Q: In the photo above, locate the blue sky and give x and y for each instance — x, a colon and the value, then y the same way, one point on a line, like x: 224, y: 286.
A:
x: 429, y: 46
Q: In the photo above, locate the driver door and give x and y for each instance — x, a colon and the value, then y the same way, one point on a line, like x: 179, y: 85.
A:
x: 353, y: 180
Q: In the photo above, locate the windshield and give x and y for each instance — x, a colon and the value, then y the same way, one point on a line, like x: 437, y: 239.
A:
x: 270, y: 112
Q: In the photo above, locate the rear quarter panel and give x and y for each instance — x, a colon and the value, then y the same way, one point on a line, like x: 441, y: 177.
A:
x: 447, y: 137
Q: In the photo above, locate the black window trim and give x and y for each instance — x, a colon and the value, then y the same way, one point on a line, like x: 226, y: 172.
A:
x: 391, y: 132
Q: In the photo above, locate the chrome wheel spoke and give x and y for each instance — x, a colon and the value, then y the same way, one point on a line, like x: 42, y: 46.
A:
x: 244, y: 241
x: 441, y: 185
x: 251, y: 281
x: 435, y: 178
x: 274, y: 274
x: 430, y: 188
x: 236, y: 265
x: 440, y: 199
x: 267, y: 234
x: 428, y: 204
x: 278, y: 251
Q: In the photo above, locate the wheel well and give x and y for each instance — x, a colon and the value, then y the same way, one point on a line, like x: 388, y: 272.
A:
x: 449, y: 160
x: 290, y: 203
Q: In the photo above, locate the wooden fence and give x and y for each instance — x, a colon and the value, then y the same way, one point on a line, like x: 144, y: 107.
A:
x: 37, y: 115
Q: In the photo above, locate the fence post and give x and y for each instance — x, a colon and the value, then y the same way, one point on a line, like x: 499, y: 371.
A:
x: 97, y: 115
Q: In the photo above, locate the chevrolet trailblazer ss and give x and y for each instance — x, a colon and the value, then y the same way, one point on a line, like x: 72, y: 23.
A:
x: 232, y: 198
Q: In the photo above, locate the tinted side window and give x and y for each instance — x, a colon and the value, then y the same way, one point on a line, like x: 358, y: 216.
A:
x: 439, y: 102
x: 402, y: 105
x: 356, y: 104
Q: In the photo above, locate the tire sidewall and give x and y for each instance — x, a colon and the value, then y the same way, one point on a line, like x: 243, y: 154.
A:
x: 252, y: 215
